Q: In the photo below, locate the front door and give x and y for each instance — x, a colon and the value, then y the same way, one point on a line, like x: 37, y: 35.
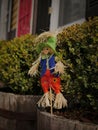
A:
x: 24, y: 18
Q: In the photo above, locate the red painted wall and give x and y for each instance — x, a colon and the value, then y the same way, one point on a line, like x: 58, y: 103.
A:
x: 24, y: 17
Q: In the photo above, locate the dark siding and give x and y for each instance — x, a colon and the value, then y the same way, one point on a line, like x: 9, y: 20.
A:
x: 11, y: 34
x: 91, y: 8
x: 43, y: 17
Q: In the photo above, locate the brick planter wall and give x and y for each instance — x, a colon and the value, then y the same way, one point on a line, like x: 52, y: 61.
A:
x: 47, y: 121
x: 18, y: 112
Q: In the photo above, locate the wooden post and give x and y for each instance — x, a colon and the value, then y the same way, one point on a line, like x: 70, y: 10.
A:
x: 51, y: 101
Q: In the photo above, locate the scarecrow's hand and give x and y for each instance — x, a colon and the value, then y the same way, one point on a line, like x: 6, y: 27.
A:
x: 59, y: 67
x: 33, y: 70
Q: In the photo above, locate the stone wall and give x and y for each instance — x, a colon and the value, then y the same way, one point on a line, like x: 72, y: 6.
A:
x: 18, y: 112
x: 46, y: 121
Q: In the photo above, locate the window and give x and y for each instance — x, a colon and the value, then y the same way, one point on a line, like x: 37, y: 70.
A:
x: 70, y: 11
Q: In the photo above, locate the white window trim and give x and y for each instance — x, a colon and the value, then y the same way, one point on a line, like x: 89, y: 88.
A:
x: 54, y: 19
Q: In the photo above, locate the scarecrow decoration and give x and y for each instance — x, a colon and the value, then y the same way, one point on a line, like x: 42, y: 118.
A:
x: 50, y: 72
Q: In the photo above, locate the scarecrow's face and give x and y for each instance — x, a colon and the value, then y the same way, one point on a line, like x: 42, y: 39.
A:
x: 46, y: 50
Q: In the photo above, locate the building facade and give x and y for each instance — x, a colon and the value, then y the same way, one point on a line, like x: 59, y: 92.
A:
x: 19, y: 17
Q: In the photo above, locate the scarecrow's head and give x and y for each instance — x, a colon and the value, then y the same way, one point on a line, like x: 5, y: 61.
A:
x: 46, y: 42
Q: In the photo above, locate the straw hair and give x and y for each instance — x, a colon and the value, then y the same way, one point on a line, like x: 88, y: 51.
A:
x: 44, y: 36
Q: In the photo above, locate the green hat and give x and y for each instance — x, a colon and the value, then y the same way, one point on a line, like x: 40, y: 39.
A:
x: 51, y: 42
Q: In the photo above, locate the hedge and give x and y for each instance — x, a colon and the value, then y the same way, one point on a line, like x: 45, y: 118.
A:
x: 16, y: 57
x: 77, y: 46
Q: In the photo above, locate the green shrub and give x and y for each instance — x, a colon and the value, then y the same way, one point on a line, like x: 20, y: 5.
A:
x: 16, y: 57
x: 78, y: 45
